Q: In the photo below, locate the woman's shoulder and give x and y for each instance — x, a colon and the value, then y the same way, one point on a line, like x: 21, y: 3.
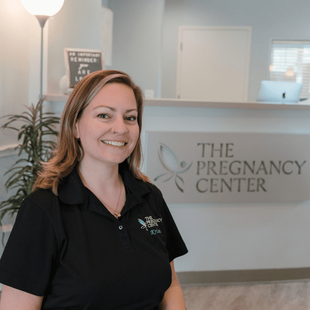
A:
x: 152, y: 191
x: 153, y: 188
x: 42, y: 194
x: 45, y: 199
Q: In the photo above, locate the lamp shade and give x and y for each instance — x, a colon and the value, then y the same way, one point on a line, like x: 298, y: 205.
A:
x: 43, y: 7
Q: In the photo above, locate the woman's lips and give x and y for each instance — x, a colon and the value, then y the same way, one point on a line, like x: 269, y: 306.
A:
x: 114, y: 143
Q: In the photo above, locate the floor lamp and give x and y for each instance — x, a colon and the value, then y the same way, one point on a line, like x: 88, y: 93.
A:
x: 42, y: 10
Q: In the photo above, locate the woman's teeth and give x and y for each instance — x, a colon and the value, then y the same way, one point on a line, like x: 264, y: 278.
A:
x: 115, y: 143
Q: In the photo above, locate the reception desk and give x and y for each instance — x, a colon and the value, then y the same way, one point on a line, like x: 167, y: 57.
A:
x: 236, y: 241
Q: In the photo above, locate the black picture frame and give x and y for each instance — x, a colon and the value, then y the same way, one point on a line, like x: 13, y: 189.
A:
x: 80, y: 62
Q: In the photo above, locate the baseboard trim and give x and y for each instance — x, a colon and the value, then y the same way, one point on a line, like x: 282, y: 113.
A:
x: 242, y: 276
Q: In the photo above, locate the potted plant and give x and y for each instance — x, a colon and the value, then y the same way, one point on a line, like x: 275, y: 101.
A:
x: 36, y: 134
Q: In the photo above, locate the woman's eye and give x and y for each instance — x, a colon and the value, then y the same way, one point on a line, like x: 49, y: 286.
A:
x: 102, y: 115
x: 131, y: 118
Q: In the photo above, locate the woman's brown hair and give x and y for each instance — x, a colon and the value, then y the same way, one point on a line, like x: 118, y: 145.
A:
x: 69, y: 151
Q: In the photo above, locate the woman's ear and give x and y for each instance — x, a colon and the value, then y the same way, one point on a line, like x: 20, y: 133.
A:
x: 77, y: 133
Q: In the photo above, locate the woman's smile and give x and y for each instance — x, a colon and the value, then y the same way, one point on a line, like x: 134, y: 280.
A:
x: 114, y: 143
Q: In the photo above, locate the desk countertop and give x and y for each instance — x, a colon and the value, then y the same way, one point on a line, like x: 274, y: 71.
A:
x: 168, y: 102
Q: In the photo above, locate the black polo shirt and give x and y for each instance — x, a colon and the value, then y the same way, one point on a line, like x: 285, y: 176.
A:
x: 70, y: 248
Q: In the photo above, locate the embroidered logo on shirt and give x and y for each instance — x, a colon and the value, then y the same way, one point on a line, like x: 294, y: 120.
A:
x: 151, y: 223
x: 143, y: 224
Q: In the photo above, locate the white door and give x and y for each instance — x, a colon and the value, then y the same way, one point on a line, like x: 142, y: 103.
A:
x: 213, y: 63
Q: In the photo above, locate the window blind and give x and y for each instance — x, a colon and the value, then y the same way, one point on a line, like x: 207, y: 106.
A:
x: 290, y: 61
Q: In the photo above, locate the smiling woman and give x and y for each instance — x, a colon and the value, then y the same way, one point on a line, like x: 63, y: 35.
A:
x: 91, y: 90
x: 108, y: 128
x: 83, y: 220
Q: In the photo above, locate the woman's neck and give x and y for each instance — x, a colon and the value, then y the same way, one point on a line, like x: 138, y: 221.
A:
x: 106, y: 184
x: 98, y: 177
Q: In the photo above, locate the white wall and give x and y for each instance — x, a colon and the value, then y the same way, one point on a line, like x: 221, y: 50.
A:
x: 137, y: 27
x: 136, y: 42
x: 105, y: 3
x: 137, y: 34
x: 77, y: 25
x: 268, y: 19
x: 18, y: 34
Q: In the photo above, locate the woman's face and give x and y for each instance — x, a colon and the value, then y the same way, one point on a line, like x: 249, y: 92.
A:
x: 108, y: 128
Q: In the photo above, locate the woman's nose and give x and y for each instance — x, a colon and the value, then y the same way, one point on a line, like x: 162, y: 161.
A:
x: 119, y: 126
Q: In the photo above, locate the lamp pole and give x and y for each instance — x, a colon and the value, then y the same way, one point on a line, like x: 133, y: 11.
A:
x: 42, y: 10
x: 42, y: 20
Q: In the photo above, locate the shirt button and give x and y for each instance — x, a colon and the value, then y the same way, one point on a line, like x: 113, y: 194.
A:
x: 120, y: 227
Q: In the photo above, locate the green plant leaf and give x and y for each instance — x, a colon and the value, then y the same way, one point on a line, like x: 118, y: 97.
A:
x: 33, y: 125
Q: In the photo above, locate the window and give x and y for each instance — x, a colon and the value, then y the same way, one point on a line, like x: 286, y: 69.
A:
x: 290, y: 61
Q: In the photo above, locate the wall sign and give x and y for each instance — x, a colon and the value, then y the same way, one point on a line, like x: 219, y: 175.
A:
x: 198, y: 167
x: 80, y: 62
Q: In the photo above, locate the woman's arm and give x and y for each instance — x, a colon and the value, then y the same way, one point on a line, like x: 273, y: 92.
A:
x: 173, y: 298
x: 12, y: 299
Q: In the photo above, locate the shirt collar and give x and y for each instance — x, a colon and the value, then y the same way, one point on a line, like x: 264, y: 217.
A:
x: 72, y: 191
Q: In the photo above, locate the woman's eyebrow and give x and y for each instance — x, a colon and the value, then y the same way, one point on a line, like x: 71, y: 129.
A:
x: 104, y: 106
x: 113, y: 109
x: 130, y: 110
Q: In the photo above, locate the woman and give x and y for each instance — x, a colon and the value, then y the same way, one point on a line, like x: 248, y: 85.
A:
x: 95, y: 234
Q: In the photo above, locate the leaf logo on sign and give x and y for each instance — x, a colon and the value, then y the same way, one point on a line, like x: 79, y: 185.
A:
x: 171, y: 163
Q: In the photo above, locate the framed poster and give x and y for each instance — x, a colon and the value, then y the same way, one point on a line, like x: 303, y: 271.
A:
x: 80, y: 62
